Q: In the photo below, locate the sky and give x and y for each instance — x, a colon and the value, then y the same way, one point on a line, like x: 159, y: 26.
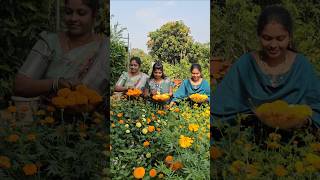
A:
x: 143, y: 16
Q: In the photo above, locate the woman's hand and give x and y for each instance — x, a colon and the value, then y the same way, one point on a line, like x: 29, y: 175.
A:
x: 68, y: 83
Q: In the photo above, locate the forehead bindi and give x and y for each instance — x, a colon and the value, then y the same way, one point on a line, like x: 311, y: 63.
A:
x: 274, y: 29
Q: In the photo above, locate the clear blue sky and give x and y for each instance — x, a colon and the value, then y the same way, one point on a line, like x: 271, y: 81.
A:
x: 143, y: 16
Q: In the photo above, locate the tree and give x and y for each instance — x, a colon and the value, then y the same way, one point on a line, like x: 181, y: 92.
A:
x: 171, y: 43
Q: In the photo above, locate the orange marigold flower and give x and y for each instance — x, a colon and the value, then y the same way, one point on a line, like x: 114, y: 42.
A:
x: 146, y: 143
x: 151, y: 128
x: 148, y: 120
x: 30, y: 169
x: 121, y: 121
x: 64, y: 92
x: 168, y: 159
x: 113, y: 125
x: 12, y: 109
x: 5, y: 162
x: 13, y: 138
x: 176, y: 110
x: 176, y: 166
x: 161, y: 112
x: 280, y: 170
x: 59, y: 102
x: 139, y: 172
x: 31, y: 137
x: 153, y: 172
x: 158, y: 129
x: 215, y: 152
x: 119, y: 115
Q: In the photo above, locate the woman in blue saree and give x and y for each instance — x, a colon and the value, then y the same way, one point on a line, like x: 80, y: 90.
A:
x: 196, y: 84
x: 65, y: 59
x: 276, y: 72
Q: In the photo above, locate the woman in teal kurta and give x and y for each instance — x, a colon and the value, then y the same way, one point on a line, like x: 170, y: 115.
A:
x: 256, y: 78
x: 196, y: 84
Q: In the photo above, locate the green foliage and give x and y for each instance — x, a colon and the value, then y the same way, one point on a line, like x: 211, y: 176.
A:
x: 145, y: 58
x: 170, y: 43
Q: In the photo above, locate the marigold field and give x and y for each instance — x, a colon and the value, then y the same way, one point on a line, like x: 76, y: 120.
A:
x: 149, y: 142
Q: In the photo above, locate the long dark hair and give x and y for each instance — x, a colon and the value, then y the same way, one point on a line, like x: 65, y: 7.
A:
x: 280, y: 15
x: 157, y: 66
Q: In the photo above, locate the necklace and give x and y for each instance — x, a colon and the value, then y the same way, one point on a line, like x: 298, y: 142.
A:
x: 273, y: 72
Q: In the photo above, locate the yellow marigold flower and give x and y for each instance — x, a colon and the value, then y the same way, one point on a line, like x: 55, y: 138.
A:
x: 144, y: 131
x: 13, y: 138
x: 161, y: 176
x: 81, y: 88
x: 198, y: 98
x: 251, y: 171
x: 280, y: 171
x: 30, y: 169
x: 185, y: 141
x: 134, y: 92
x: 59, y: 102
x: 161, y: 97
x: 158, y: 129
x: 314, y: 160
x: 275, y: 137
x: 215, y: 152
x: 5, y: 162
x: 193, y: 127
x: 64, y: 92
x: 31, y: 137
x: 12, y: 109
x: 315, y: 147
x: 153, y: 173
x: 299, y: 167
x: 151, y: 128
x: 113, y: 125
x: 139, y: 172
x: 273, y: 145
x: 146, y: 143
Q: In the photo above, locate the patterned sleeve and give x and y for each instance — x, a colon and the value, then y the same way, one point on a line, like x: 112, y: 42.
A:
x: 122, y: 80
x: 38, y: 59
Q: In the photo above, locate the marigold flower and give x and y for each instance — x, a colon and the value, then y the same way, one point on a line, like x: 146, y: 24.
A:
x: 13, y: 138
x: 31, y: 137
x: 168, y: 159
x: 161, y: 176
x: 215, y: 152
x: 144, y: 131
x: 113, y: 125
x: 176, y: 110
x: 176, y: 166
x: 161, y: 97
x: 161, y: 112
x: 185, y: 141
x: 280, y: 171
x: 49, y: 120
x: 119, y: 115
x: 146, y: 143
x: 251, y: 171
x: 314, y: 160
x: 273, y: 145
x: 59, y: 102
x: 30, y: 169
x: 64, y: 92
x: 139, y: 172
x: 153, y: 173
x: 275, y: 137
x: 151, y: 128
x: 158, y: 129
x: 5, y: 162
x: 148, y: 120
x: 193, y: 127
x: 198, y: 98
x: 121, y: 121
x: 12, y: 109
x: 134, y: 92
x: 236, y: 166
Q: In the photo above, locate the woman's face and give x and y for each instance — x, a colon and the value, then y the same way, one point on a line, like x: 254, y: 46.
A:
x: 134, y: 66
x: 274, y: 40
x: 157, y: 74
x: 78, y: 17
x: 195, y: 74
